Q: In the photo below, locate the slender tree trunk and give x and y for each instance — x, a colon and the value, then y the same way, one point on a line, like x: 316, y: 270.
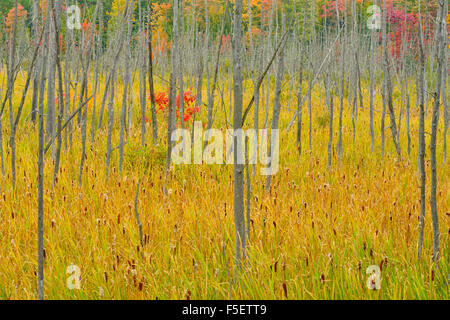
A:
x: 444, y: 88
x: 15, y: 122
x: 171, y: 120
x: 35, y: 24
x: 41, y: 161
x: 97, y: 71
x: 126, y: 83
x: 341, y: 97
x: 300, y: 87
x: 180, y: 64
x: 238, y: 169
x: 387, y: 78
x: 150, y: 80
x: 330, y: 139
x: 276, y: 108
x: 421, y: 156
x: 11, y: 79
x: 372, y: 86
x: 311, y: 65
x: 60, y: 98
x: 211, y: 94
x: 435, y: 121
x: 138, y: 220
x: 110, y: 123
x: 142, y: 74
x: 126, y: 15
x: 50, y: 112
x: 84, y: 97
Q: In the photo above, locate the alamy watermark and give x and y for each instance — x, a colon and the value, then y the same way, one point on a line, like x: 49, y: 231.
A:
x: 220, y: 147
x: 73, y: 281
x: 374, y: 280
x: 374, y: 21
x: 73, y: 17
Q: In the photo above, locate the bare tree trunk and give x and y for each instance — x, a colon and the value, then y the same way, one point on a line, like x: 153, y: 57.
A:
x: 110, y: 122
x: 311, y: 81
x: 372, y: 85
x: 126, y: 15
x: 11, y: 79
x: 142, y: 74
x: 150, y: 79
x: 41, y: 161
x: 330, y: 140
x: 198, y: 100
x: 238, y: 169
x: 84, y: 98
x: 19, y: 112
x: 171, y: 120
x: 126, y: 83
x: 60, y: 98
x: 300, y: 87
x: 35, y: 23
x: 180, y: 64
x: 249, y: 190
x: 211, y: 94
x: 387, y: 76
x: 435, y: 121
x: 50, y: 112
x: 138, y: 220
x: 276, y: 107
x: 405, y: 82
x: 341, y: 95
x: 353, y: 73
x: 444, y: 88
x: 421, y: 156
x: 408, y: 111
x: 256, y: 88
x: 205, y: 54
x: 384, y: 80
x: 97, y: 67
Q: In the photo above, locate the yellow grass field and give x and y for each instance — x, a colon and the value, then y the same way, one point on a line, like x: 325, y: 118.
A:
x: 313, y: 235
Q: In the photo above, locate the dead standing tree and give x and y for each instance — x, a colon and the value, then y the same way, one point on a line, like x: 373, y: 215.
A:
x: 84, y: 94
x: 440, y: 53
x: 40, y: 273
x: 388, y: 86
x: 111, y: 79
x: 10, y: 91
x: 421, y: 155
x: 150, y: 78
x: 126, y: 86
x: 238, y: 169
x: 276, y: 108
x: 171, y: 118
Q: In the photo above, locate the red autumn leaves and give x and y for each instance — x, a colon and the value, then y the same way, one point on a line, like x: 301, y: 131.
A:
x: 162, y: 102
x: 21, y: 16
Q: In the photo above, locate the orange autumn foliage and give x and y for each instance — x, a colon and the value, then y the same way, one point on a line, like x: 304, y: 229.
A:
x: 21, y: 16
